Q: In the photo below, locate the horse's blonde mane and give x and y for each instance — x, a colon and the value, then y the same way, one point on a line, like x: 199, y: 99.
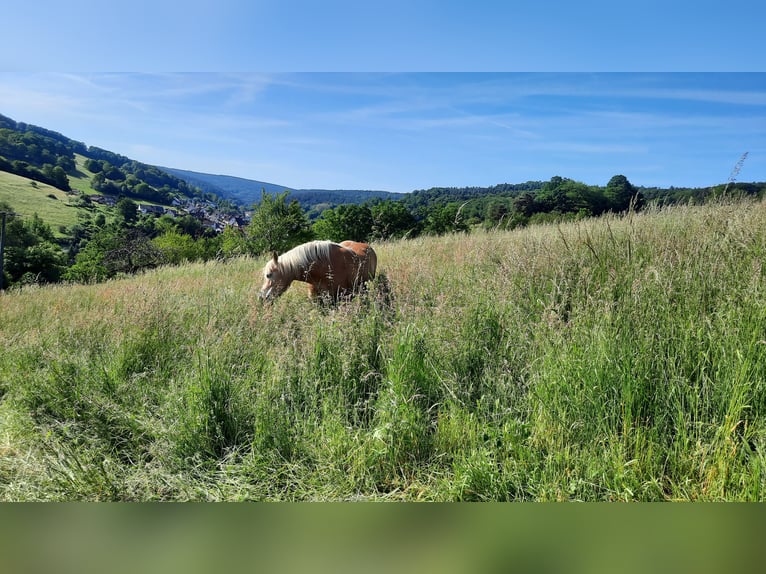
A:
x: 299, y: 258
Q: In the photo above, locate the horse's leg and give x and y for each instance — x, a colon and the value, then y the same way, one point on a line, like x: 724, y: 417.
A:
x: 321, y: 294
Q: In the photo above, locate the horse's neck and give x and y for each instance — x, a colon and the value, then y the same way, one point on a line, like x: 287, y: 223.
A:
x: 292, y: 273
x: 311, y: 272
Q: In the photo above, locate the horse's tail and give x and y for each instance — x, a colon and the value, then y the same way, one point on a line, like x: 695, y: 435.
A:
x: 372, y: 262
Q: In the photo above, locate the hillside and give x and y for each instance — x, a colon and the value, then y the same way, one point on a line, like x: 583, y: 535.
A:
x: 610, y: 359
x: 51, y: 158
x: 242, y: 191
x: 247, y: 192
x: 28, y: 197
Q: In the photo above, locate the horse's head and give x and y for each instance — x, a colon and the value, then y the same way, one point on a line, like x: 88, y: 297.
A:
x: 274, y: 283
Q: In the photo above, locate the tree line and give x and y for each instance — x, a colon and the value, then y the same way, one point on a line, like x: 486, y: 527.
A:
x: 97, y: 249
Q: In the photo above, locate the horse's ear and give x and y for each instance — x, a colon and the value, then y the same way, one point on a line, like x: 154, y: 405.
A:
x: 275, y: 256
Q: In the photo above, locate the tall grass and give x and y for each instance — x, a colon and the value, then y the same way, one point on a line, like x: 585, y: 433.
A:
x: 620, y: 358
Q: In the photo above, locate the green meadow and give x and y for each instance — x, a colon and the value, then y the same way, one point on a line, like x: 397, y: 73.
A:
x: 610, y: 359
x: 29, y: 197
x: 81, y: 178
x: 55, y: 207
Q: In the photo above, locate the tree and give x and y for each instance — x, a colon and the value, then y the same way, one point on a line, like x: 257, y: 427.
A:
x: 444, y: 219
x: 577, y: 197
x: 190, y: 225
x: 347, y: 221
x: 277, y: 225
x: 232, y: 242
x: 59, y: 178
x: 176, y: 247
x: 559, y: 195
x: 94, y: 165
x: 496, y: 213
x: 112, y: 172
x: 563, y: 195
x: 114, y: 250
x: 620, y: 192
x: 66, y: 163
x: 525, y: 204
x: 31, y: 254
x: 392, y: 219
x: 89, y: 264
x: 127, y: 210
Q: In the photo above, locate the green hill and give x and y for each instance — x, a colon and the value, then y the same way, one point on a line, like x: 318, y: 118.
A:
x: 50, y: 158
x: 59, y: 209
x: 27, y: 197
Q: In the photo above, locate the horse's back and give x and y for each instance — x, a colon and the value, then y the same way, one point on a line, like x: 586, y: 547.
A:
x: 368, y: 259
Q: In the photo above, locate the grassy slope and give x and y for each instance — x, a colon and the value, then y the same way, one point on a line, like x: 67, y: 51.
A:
x: 611, y: 359
x: 28, y: 197
x: 80, y: 181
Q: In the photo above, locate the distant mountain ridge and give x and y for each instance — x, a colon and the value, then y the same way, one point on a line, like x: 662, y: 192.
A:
x: 248, y: 191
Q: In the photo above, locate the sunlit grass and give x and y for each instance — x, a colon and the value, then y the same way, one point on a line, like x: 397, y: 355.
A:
x: 29, y: 197
x: 610, y: 359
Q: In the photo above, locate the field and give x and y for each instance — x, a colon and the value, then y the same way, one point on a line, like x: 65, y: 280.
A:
x: 52, y: 205
x: 80, y: 181
x: 612, y: 359
x: 28, y: 197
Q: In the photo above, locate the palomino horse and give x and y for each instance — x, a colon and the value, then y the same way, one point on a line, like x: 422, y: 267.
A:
x: 332, y: 270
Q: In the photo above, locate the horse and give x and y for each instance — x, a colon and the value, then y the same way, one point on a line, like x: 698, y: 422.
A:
x: 332, y: 270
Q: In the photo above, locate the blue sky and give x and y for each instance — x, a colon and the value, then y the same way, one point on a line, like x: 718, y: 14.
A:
x: 385, y: 35
x: 401, y: 95
x: 406, y: 131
